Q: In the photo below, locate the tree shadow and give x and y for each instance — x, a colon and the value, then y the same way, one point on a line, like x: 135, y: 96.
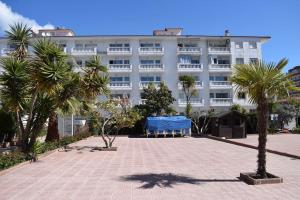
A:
x: 78, y: 148
x: 167, y: 180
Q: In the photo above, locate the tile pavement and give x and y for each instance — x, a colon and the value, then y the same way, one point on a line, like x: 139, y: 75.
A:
x: 154, y: 168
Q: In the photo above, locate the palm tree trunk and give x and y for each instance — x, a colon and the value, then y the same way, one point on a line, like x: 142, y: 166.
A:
x: 52, y: 131
x: 262, y: 125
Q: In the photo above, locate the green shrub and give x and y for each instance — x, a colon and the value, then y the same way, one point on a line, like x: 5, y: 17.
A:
x: 296, y: 130
x: 8, y: 160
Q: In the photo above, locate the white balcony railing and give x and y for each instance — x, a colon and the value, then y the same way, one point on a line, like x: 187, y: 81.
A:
x: 220, y: 68
x: 151, y: 67
x: 142, y: 101
x: 221, y: 101
x: 198, y: 85
x: 219, y: 50
x: 188, y: 67
x: 144, y: 84
x: 151, y: 50
x: 220, y: 84
x: 6, y: 51
x: 119, y: 68
x: 125, y: 85
x: 194, y: 102
x: 119, y: 51
x: 189, y: 50
x: 84, y: 51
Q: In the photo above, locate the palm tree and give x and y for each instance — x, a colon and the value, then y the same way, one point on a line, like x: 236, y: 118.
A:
x: 188, y: 86
x: 263, y: 82
x: 18, y: 37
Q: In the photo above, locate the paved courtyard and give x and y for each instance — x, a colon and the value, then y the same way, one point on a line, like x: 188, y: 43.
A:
x: 154, y: 168
x: 287, y: 143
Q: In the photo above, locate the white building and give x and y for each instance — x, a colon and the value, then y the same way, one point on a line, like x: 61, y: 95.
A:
x: 135, y: 60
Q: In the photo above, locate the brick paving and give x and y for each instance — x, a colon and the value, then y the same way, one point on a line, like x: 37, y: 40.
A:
x: 287, y: 143
x: 154, y: 168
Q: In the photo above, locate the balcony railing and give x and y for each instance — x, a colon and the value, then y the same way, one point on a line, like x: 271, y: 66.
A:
x: 119, y: 51
x: 189, y: 50
x: 6, y: 51
x: 220, y: 84
x: 220, y: 68
x: 151, y: 67
x: 188, y: 67
x: 198, y: 85
x: 144, y: 84
x: 151, y: 50
x: 119, y: 68
x: 194, y: 102
x: 221, y: 101
x: 219, y: 50
x: 84, y: 51
x: 125, y: 85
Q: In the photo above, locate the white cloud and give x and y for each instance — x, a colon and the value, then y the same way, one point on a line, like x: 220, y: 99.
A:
x: 8, y: 17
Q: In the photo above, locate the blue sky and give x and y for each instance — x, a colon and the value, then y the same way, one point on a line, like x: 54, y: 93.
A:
x: 279, y: 19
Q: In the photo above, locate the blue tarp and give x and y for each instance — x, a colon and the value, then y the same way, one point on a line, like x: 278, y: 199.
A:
x: 171, y: 123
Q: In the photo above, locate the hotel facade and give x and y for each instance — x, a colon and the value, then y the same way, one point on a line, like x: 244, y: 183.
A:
x: 134, y: 61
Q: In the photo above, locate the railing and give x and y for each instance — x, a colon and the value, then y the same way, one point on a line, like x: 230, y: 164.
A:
x: 189, y: 50
x: 84, y: 51
x: 194, y: 102
x: 119, y: 68
x: 6, y: 51
x: 146, y: 83
x: 198, y: 85
x: 142, y: 101
x: 151, y: 67
x: 220, y: 67
x: 119, y: 50
x: 220, y: 84
x: 221, y: 101
x: 219, y: 49
x: 120, y: 85
x: 189, y: 67
x: 151, y: 50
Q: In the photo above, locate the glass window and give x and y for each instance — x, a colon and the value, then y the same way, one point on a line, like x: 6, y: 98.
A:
x: 115, y: 45
x: 127, y: 62
x: 222, y: 95
x: 116, y: 79
x: 254, y: 60
x: 157, y: 78
x: 126, y: 79
x: 239, y: 45
x: 157, y: 61
x: 241, y: 95
x: 239, y: 61
x: 147, y: 78
x: 252, y: 45
x: 211, y: 95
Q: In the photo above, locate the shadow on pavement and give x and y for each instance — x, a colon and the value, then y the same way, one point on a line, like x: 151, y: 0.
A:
x: 167, y: 180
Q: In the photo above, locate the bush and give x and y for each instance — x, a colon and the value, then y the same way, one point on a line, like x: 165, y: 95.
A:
x: 296, y: 130
x: 8, y: 160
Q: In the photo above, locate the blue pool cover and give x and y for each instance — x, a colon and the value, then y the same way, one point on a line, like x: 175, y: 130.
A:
x: 170, y: 123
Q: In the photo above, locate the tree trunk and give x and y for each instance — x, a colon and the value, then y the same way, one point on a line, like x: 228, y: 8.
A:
x: 262, y: 125
x: 52, y: 131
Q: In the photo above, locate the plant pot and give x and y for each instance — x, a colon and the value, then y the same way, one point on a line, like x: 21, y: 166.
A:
x: 250, y: 179
x: 106, y: 149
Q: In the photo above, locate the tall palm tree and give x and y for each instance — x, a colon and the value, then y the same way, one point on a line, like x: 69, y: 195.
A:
x: 263, y: 82
x: 188, y: 86
x: 18, y: 37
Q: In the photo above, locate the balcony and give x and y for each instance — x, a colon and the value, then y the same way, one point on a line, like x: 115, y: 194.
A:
x: 220, y: 68
x: 119, y: 68
x: 221, y: 101
x: 144, y: 84
x: 198, y: 85
x: 151, y: 50
x: 120, y: 85
x: 119, y: 51
x: 151, y: 67
x: 6, y: 51
x: 182, y: 67
x: 220, y: 85
x: 194, y: 102
x: 84, y: 51
x: 189, y: 50
x: 219, y: 50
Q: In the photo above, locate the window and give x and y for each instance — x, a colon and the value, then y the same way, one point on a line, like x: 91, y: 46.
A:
x: 254, y: 60
x: 241, y: 95
x: 119, y: 79
x: 79, y: 63
x: 239, y: 61
x: 252, y: 45
x: 239, y: 45
x: 222, y: 95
